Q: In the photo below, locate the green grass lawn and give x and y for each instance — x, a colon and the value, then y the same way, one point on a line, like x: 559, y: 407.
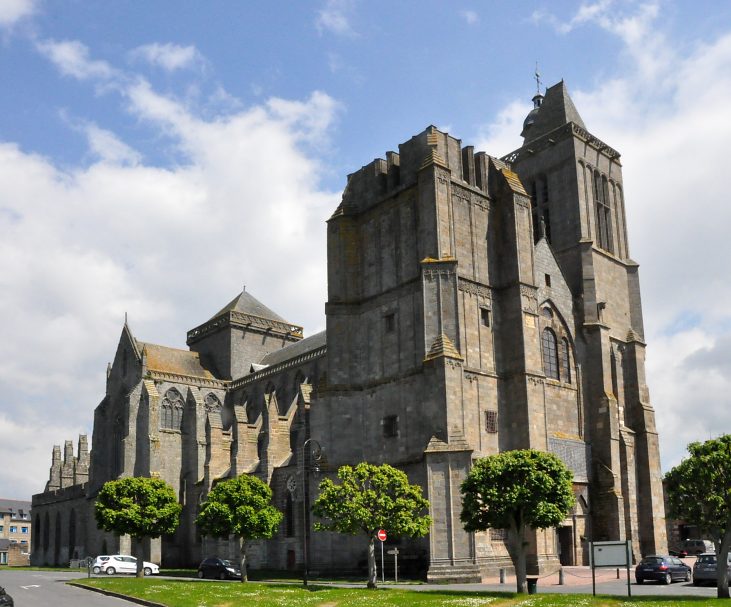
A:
x: 179, y: 593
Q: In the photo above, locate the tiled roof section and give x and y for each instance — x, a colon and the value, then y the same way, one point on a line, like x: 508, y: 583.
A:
x: 248, y: 304
x: 14, y: 506
x: 514, y: 182
x: 308, y: 344
x: 556, y: 110
x: 172, y: 360
x: 4, y: 544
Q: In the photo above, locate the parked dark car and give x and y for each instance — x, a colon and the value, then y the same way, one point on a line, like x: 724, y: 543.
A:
x: 219, y: 569
x: 663, y: 569
x: 5, y: 599
x: 704, y: 569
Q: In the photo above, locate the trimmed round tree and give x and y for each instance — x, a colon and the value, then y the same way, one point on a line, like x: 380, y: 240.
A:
x: 240, y: 506
x: 140, y: 507
x: 369, y: 498
x: 699, y: 492
x: 515, y: 490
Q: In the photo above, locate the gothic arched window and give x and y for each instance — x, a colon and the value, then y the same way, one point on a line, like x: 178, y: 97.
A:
x: 171, y: 411
x: 565, y: 361
x: 603, y: 208
x: 550, y: 354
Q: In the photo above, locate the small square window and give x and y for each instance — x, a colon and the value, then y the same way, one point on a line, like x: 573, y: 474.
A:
x: 24, y: 529
x: 390, y: 322
x: 548, y: 279
x: 498, y: 535
x: 390, y: 426
x: 13, y: 529
x: 491, y: 422
x: 485, y: 317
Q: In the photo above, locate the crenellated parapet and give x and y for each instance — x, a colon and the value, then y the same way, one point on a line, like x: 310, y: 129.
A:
x: 71, y: 470
x: 385, y: 177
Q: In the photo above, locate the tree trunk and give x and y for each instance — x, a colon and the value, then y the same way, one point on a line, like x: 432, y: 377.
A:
x: 516, y: 547
x: 140, y: 554
x: 372, y: 573
x: 244, y: 574
x: 722, y: 564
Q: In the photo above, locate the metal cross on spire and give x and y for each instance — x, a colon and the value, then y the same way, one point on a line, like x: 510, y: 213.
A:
x: 538, y: 80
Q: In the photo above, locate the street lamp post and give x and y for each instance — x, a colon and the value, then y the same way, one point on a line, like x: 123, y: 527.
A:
x: 314, y: 452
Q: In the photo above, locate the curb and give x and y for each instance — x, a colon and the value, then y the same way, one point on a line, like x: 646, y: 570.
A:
x: 117, y: 595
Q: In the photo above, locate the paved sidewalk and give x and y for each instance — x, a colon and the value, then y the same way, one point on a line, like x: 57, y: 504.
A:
x: 572, y: 576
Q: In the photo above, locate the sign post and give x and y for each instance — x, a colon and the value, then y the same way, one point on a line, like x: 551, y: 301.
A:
x: 610, y: 554
x: 395, y: 563
x: 381, y: 535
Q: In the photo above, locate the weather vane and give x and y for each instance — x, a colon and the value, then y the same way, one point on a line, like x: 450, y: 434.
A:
x: 538, y: 80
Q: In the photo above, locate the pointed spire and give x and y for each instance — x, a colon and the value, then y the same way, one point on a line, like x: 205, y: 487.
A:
x: 550, y: 112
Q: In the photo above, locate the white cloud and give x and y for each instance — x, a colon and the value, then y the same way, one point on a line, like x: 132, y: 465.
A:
x: 471, y: 17
x: 334, y: 18
x: 83, y: 245
x: 71, y: 57
x: 108, y: 147
x: 12, y: 11
x: 168, y: 56
x: 667, y: 114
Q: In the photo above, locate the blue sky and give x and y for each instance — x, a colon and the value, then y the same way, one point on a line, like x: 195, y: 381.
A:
x: 156, y: 156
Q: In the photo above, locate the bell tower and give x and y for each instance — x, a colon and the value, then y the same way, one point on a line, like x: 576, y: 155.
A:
x: 578, y: 204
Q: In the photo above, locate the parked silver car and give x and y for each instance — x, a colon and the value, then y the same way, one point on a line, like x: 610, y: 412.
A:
x: 704, y: 570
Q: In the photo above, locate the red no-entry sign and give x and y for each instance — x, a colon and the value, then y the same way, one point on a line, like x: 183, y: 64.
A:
x: 381, y: 535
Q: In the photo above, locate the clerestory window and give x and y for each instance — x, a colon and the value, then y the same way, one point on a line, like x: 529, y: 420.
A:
x: 171, y: 411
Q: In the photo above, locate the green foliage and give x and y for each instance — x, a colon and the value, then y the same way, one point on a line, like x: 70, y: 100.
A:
x: 370, y: 498
x: 699, y: 492
x: 240, y: 506
x: 699, y: 488
x: 515, y: 489
x: 138, y: 506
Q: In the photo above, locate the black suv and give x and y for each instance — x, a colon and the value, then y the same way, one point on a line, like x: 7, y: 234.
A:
x: 219, y: 569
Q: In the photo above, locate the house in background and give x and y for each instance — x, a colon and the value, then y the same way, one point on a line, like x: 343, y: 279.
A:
x: 15, y: 532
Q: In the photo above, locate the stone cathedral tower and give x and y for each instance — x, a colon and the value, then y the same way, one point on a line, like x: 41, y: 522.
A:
x: 475, y: 305
x: 575, y: 182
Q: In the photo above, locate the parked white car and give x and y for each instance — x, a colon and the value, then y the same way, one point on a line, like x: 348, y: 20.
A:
x: 121, y: 563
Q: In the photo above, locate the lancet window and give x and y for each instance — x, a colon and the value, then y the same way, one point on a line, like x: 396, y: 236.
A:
x: 550, y: 354
x: 603, y: 207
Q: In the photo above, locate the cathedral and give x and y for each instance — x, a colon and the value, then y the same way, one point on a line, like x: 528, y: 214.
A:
x: 475, y: 305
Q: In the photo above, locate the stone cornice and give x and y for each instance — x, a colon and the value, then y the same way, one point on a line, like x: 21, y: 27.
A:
x: 241, y: 319
x: 190, y: 380
x: 274, y: 369
x: 549, y: 139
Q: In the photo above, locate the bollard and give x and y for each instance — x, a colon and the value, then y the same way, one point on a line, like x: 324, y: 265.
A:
x: 617, y: 572
x: 560, y: 577
x: 502, y: 575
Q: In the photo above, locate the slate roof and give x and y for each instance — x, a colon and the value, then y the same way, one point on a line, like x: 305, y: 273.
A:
x: 556, y: 110
x: 248, y: 304
x: 313, y: 342
x: 14, y: 506
x: 172, y: 360
x: 4, y: 544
